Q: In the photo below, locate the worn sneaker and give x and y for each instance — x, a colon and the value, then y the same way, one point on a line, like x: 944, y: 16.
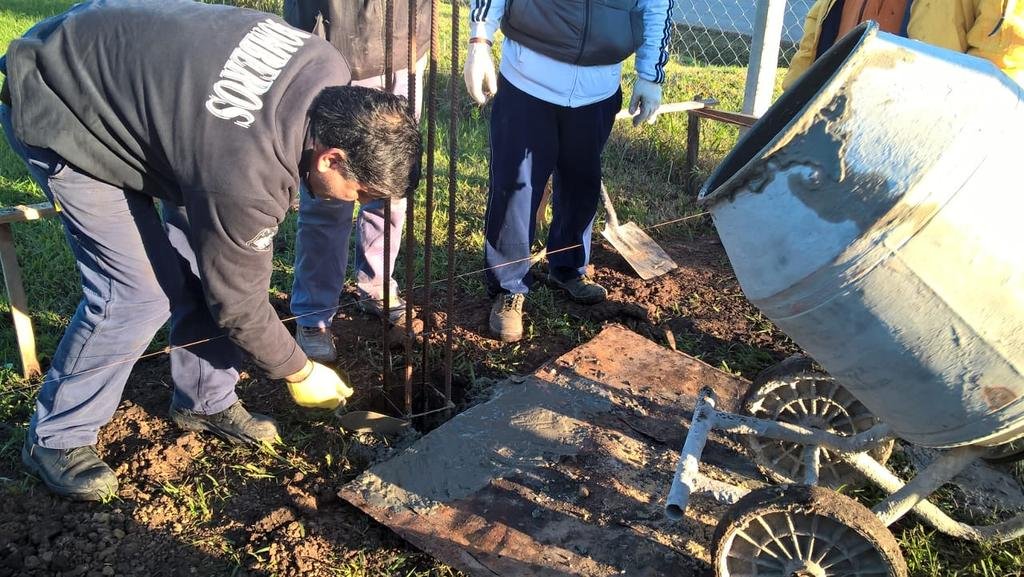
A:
x: 234, y: 424
x: 317, y: 343
x: 581, y: 289
x: 77, y: 473
x: 506, y: 320
x: 375, y: 307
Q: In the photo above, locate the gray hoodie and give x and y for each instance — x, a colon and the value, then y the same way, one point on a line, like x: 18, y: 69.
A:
x: 200, y: 105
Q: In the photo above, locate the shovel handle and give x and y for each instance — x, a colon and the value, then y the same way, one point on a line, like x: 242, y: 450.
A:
x: 671, y: 107
x: 613, y: 219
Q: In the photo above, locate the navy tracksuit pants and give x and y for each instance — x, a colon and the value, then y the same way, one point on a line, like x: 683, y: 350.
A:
x: 530, y: 140
x: 137, y: 271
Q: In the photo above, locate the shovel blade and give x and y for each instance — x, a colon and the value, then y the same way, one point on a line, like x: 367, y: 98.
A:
x: 639, y: 249
x: 371, y: 422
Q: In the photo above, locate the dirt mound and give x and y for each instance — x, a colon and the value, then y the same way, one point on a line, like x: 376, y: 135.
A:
x: 189, y: 505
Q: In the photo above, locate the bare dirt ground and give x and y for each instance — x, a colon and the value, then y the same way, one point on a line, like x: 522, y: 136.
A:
x: 189, y: 505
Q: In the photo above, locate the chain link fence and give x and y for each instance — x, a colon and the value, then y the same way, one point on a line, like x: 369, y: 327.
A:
x: 706, y: 32
x: 711, y: 46
x: 711, y: 50
x: 719, y: 32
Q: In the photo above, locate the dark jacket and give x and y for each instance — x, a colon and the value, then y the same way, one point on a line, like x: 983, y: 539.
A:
x: 357, y: 29
x: 583, y: 32
x: 201, y: 105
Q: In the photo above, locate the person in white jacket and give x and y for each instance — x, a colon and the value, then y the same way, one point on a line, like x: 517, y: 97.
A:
x: 555, y: 98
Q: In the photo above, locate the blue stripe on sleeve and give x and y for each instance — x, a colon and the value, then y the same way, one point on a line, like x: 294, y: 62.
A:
x: 479, y: 13
x: 659, y: 68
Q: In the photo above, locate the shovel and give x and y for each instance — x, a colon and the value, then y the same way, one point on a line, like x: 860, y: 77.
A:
x: 670, y: 107
x: 640, y: 251
x: 371, y: 422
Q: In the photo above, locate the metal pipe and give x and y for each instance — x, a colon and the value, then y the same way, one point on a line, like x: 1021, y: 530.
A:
x: 684, y: 480
x: 745, y: 425
x: 720, y: 491
x: 812, y: 464
x: 764, y: 56
x: 948, y: 465
x: 999, y: 533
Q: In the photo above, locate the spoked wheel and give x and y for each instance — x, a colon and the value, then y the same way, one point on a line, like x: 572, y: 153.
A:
x: 797, y: 391
x: 804, y: 531
x: 1006, y: 453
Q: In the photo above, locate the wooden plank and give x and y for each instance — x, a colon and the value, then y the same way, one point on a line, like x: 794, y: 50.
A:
x: 563, y: 473
x: 23, y: 212
x: 692, y: 151
x: 736, y: 118
x: 19, y: 303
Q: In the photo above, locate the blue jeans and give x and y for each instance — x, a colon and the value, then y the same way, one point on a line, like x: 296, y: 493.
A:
x: 324, y: 230
x: 137, y: 271
x: 530, y: 140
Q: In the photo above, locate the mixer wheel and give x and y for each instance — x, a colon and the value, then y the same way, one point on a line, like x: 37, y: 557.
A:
x: 1006, y: 453
x: 798, y: 391
x: 804, y: 531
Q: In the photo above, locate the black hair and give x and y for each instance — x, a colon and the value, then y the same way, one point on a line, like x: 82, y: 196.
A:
x: 379, y: 135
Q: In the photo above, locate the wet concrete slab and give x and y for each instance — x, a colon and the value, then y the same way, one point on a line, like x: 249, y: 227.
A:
x: 565, y: 471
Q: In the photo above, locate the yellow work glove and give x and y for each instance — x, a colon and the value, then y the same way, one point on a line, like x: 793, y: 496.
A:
x: 318, y: 387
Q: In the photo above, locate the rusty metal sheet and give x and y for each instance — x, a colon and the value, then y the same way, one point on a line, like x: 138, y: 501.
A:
x: 563, y: 472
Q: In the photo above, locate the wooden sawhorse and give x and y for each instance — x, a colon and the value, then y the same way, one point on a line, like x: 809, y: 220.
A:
x: 12, y: 280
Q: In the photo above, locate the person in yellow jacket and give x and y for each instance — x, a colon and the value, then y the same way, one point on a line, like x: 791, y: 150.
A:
x: 990, y: 29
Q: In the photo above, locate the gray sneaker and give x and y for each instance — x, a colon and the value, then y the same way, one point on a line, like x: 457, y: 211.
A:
x: 317, y: 343
x: 234, y: 424
x: 581, y: 289
x: 375, y: 307
x: 77, y: 473
x: 506, y: 319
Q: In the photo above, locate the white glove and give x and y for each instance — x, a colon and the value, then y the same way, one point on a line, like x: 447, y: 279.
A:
x: 646, y: 99
x: 479, y: 69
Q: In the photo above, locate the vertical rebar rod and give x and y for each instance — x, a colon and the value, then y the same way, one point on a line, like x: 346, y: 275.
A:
x: 389, y: 45
x: 410, y: 230
x: 428, y: 223
x: 453, y: 155
x: 389, y: 85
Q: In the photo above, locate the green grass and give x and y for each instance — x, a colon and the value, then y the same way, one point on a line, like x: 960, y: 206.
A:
x: 644, y: 171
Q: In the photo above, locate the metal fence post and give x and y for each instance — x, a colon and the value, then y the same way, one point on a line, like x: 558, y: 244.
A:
x: 764, y: 56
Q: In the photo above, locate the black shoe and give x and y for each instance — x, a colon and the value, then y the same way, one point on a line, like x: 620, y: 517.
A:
x: 581, y: 289
x: 77, y: 473
x: 234, y: 424
x: 317, y: 343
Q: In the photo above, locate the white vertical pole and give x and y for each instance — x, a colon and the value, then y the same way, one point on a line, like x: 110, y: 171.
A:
x: 764, y: 56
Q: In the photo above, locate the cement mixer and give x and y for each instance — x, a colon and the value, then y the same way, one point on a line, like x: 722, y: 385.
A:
x: 871, y: 214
